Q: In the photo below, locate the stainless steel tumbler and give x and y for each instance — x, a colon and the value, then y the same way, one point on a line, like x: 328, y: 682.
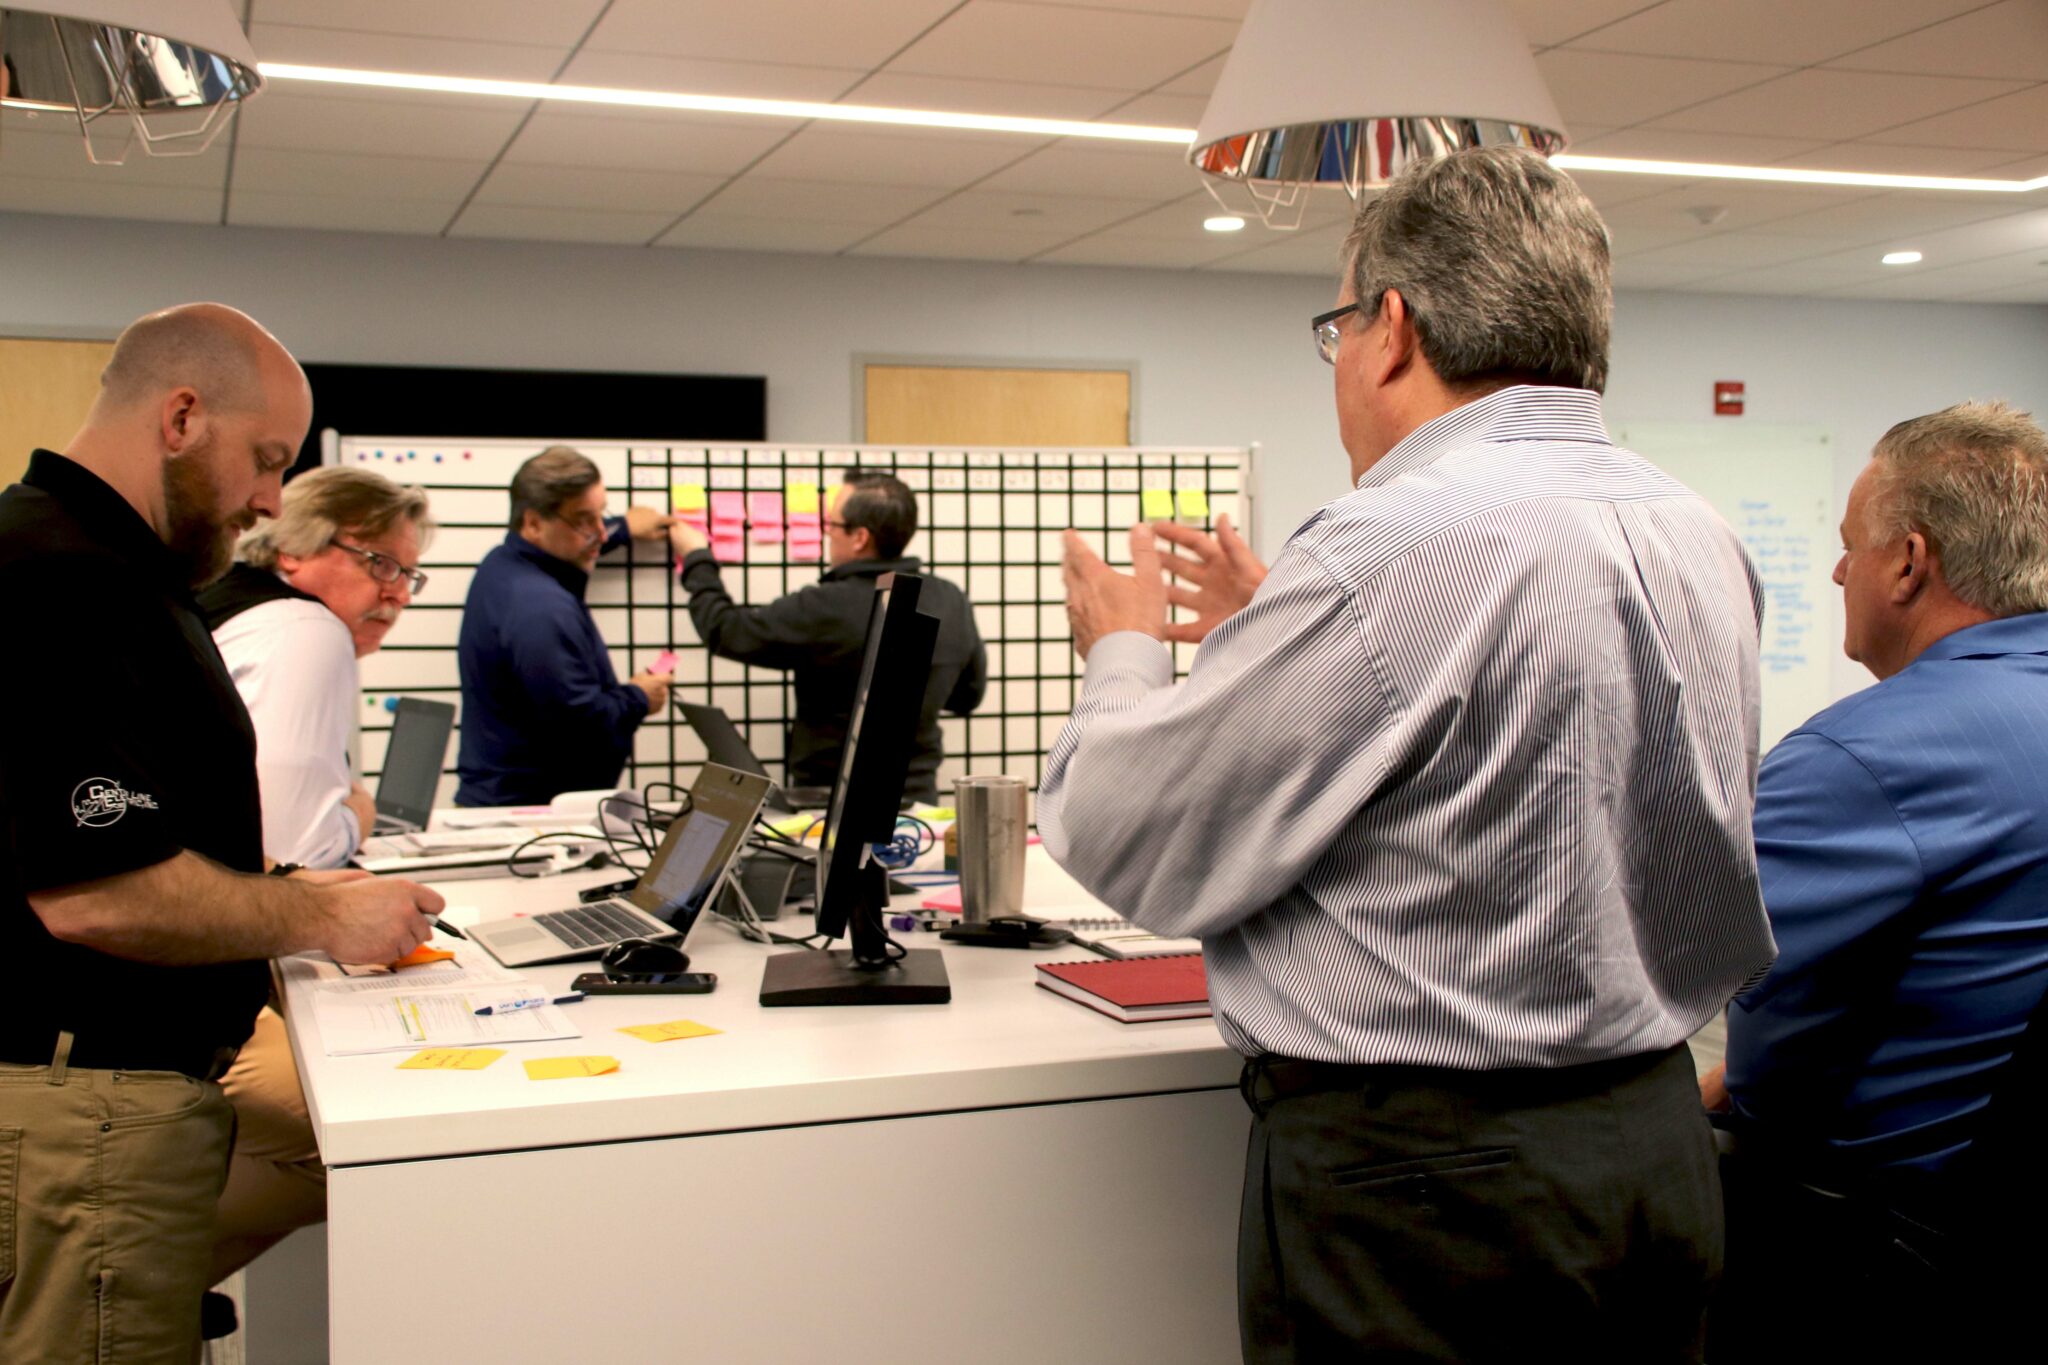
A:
x: 991, y: 815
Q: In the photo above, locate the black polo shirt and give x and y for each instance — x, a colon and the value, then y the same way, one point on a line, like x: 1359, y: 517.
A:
x: 122, y: 742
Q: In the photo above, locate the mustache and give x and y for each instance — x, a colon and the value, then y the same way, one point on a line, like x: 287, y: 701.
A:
x: 387, y: 614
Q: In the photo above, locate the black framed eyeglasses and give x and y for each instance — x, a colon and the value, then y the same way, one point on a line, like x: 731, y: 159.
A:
x: 384, y: 568
x: 1329, y: 332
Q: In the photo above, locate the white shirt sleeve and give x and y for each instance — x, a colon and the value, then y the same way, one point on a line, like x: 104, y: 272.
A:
x: 295, y: 666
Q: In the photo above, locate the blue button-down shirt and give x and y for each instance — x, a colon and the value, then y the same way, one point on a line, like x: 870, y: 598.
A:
x: 543, y: 712
x: 1468, y: 782
x: 1902, y: 836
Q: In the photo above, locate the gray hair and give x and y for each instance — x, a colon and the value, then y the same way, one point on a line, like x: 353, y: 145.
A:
x: 548, y: 480
x: 1503, y: 263
x: 321, y: 503
x: 1974, y: 480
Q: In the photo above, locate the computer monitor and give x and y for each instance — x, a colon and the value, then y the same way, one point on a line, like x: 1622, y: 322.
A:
x: 853, y: 887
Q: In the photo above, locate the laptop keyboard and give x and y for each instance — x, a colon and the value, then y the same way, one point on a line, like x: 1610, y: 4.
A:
x: 595, y: 926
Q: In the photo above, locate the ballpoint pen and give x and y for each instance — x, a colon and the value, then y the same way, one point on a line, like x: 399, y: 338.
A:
x: 528, y: 1002
x: 446, y: 928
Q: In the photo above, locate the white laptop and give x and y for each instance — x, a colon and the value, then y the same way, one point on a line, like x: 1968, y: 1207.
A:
x: 687, y: 872
x: 412, y: 764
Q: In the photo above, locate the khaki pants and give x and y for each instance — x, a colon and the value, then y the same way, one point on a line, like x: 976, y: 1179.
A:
x: 108, y: 1181
x: 276, y: 1184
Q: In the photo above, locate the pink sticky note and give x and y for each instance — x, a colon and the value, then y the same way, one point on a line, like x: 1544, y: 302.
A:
x: 728, y: 507
x: 697, y: 521
x: 801, y: 548
x: 764, y: 507
x: 664, y: 662
x: 728, y: 549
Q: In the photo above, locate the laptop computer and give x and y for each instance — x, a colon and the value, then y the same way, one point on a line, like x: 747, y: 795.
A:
x: 725, y: 744
x: 687, y: 872
x: 412, y: 764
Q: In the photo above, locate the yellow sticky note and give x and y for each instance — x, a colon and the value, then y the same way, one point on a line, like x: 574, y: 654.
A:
x: 686, y: 497
x: 1158, y: 504
x: 561, y: 1068
x: 673, y: 1029
x: 1194, y: 503
x: 452, y: 1059
x: 802, y: 499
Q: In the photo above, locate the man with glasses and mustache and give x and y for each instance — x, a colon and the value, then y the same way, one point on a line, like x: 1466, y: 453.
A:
x: 135, y: 916
x: 543, y: 711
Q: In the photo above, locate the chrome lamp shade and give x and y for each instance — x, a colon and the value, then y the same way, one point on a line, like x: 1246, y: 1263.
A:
x: 1349, y: 93
x: 165, y: 74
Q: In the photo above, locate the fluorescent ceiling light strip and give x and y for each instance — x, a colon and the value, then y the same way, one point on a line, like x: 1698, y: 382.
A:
x: 1052, y: 127
x: 1696, y: 170
x: 724, y: 104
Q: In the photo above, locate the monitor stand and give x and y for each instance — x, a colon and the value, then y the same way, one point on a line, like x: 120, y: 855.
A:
x: 866, y: 973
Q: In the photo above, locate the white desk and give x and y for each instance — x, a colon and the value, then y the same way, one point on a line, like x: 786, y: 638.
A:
x: 1011, y: 1177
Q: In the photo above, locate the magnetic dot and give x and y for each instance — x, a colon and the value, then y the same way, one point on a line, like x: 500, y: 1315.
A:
x: 465, y: 454
x: 437, y: 459
x: 391, y: 703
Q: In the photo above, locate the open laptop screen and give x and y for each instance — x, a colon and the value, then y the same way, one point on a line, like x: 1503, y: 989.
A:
x: 687, y: 868
x: 413, y: 759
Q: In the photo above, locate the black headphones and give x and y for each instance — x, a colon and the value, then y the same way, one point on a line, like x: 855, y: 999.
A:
x: 638, y: 955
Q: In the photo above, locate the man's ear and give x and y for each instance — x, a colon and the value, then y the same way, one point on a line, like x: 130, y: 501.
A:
x: 182, y: 420
x: 1397, y: 346
x: 1915, y: 568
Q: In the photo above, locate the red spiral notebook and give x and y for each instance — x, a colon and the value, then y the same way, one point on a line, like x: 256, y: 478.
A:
x: 1135, y: 990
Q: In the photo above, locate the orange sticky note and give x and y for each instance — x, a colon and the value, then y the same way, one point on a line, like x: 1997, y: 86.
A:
x: 561, y: 1068
x: 452, y: 1059
x: 422, y: 955
x: 672, y: 1030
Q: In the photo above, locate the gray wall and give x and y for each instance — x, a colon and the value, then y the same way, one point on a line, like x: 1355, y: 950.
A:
x: 1221, y: 359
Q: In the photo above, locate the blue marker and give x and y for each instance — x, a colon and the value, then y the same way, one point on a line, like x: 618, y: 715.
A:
x: 531, y: 1002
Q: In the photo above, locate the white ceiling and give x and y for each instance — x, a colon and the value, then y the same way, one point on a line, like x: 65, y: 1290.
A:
x: 1946, y: 87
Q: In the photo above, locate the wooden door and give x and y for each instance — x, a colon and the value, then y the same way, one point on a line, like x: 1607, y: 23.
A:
x: 46, y: 388
x: 966, y: 405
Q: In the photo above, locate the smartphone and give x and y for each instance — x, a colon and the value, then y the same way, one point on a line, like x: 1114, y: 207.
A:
x: 645, y: 983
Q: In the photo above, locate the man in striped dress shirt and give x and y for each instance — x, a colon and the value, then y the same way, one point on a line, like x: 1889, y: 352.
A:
x: 1459, y: 803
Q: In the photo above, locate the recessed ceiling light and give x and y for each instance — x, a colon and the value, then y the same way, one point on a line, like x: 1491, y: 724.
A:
x: 1900, y: 258
x: 1223, y: 223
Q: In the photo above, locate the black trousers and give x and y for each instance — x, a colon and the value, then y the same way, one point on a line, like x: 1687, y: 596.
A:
x: 1398, y: 1214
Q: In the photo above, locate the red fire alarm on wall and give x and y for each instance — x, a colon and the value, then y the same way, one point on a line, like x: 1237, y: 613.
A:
x: 1727, y: 398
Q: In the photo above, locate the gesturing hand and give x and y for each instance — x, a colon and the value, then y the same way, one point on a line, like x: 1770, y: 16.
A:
x: 1223, y: 571
x: 644, y: 523
x: 1101, y: 601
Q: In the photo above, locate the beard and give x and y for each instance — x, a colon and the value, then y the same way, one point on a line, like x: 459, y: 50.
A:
x: 199, y: 540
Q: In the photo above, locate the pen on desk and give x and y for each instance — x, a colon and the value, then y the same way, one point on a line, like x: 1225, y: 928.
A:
x: 530, y: 1002
x: 446, y: 928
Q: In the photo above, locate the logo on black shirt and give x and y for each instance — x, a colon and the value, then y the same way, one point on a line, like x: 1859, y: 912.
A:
x: 100, y: 801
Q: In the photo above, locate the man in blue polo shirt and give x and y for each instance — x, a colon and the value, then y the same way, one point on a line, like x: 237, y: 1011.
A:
x: 1902, y: 842
x: 543, y: 712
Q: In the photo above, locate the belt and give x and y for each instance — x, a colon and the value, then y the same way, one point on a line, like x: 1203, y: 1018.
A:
x: 1270, y: 1078
x: 125, y: 1054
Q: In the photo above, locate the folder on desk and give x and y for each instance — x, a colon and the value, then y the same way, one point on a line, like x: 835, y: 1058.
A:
x: 1134, y: 991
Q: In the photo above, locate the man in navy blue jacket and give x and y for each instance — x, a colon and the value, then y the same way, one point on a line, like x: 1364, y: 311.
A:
x: 1902, y: 842
x: 543, y: 712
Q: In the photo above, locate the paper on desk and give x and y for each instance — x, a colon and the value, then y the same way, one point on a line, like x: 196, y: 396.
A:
x: 452, y: 1059
x: 561, y: 1068
x: 471, y: 967
x: 670, y: 1031
x: 401, y: 1020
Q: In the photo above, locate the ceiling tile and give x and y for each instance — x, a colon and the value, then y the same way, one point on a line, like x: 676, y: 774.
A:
x: 1160, y: 110
x: 861, y: 207
x: 1894, y: 219
x: 1917, y: 282
x: 109, y: 199
x: 1233, y: 10
x: 1020, y: 99
x: 1733, y: 251
x: 708, y: 230
x: 802, y: 32
x: 1835, y: 104
x: 1135, y: 251
x: 1077, y: 167
x: 1199, y: 80
x: 947, y: 243
x: 2013, y: 234
x: 2008, y: 40
x: 341, y: 212
x: 45, y: 148
x: 1544, y: 22
x: 1639, y: 274
x: 1885, y: 158
x: 896, y: 156
x: 1799, y: 278
x: 596, y: 187
x: 1739, y: 30
x: 1317, y: 251
x: 532, y: 222
x: 1668, y: 144
x: 1616, y: 88
x: 1112, y: 49
x: 693, y: 76
x: 1729, y: 205
x: 2016, y: 123
x: 506, y: 61
x: 266, y: 170
x: 1063, y: 216
x: 1181, y: 221
x: 441, y: 126
x: 688, y: 143
x: 556, y: 23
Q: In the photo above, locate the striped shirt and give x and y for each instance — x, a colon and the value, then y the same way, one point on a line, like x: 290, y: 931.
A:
x: 1468, y: 783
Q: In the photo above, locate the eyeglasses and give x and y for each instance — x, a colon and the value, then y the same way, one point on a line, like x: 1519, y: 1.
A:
x: 584, y: 523
x: 384, y: 568
x: 831, y: 525
x: 1327, y: 331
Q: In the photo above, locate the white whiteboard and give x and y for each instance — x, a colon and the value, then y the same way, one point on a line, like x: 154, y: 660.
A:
x: 1775, y: 485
